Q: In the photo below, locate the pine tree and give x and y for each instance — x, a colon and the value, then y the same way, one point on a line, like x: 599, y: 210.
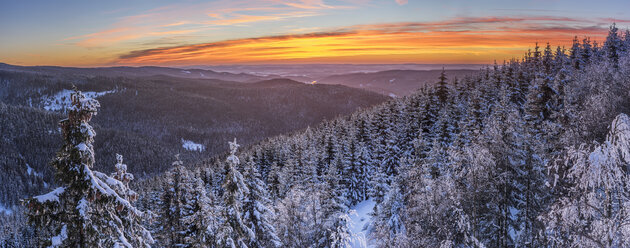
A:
x: 575, y: 54
x: 132, y: 225
x: 174, y: 200
x: 442, y: 88
x: 234, y: 232
x: 258, y: 211
x: 90, y: 209
x: 378, y: 184
x: 388, y: 227
x: 332, y: 206
x: 613, y: 46
x: 201, y: 222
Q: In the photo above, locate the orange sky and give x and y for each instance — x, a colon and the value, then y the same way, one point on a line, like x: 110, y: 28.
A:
x: 195, y: 32
x: 398, y: 42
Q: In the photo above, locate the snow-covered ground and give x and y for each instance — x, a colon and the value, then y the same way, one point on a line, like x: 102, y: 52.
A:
x: 5, y: 210
x: 192, y: 146
x: 360, y: 220
x: 61, y: 100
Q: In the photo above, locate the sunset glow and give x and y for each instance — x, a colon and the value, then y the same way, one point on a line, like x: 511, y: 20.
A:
x: 306, y: 31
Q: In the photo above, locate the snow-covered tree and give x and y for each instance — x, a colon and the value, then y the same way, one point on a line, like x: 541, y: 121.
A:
x: 174, y: 206
x: 340, y: 236
x: 234, y: 232
x: 614, y: 46
x: 332, y: 207
x: 378, y: 184
x: 595, y: 211
x: 258, y: 211
x: 89, y: 209
x: 387, y: 227
x: 201, y: 222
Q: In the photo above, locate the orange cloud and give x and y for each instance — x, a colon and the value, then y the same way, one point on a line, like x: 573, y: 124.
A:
x: 459, y: 40
x: 175, y: 24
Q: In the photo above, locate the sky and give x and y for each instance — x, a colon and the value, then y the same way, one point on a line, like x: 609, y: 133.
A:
x: 185, y: 33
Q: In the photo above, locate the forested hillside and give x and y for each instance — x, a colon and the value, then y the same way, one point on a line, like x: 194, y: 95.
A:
x: 149, y: 120
x: 393, y: 82
x: 530, y: 152
x: 144, y: 71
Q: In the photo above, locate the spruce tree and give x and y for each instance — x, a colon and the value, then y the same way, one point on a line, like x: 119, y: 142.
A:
x: 258, y: 211
x: 234, y: 232
x: 89, y: 209
x: 201, y: 222
x: 613, y: 46
x: 442, y: 87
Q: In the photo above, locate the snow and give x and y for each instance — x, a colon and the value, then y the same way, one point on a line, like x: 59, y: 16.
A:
x: 5, y: 210
x: 392, y: 80
x: 359, y: 222
x: 82, y: 147
x: 187, y: 72
x: 233, y: 159
x: 31, y: 172
x: 392, y: 95
x: 83, y: 207
x: 57, y: 240
x: 192, y: 146
x: 51, y: 196
x: 61, y: 100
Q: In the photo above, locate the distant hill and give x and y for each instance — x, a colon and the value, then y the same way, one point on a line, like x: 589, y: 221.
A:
x: 125, y: 71
x: 393, y: 82
x: 149, y: 119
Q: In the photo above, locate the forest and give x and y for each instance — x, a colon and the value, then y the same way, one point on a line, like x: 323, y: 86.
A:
x: 531, y: 152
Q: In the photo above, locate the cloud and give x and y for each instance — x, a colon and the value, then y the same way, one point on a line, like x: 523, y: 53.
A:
x: 241, y: 19
x: 187, y: 49
x: 402, y: 2
x: 175, y: 19
x: 463, y: 39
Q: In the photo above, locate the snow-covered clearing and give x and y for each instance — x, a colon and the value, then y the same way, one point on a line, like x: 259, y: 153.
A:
x: 192, y: 146
x: 360, y: 220
x: 61, y: 100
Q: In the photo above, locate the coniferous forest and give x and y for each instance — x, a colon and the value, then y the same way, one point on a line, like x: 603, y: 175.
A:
x: 530, y: 152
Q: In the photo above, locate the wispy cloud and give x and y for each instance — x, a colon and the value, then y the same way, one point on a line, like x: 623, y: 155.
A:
x: 402, y: 2
x: 189, y: 18
x: 463, y: 39
x: 240, y: 18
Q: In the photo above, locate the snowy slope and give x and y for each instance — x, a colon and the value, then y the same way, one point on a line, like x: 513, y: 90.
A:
x: 360, y: 220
